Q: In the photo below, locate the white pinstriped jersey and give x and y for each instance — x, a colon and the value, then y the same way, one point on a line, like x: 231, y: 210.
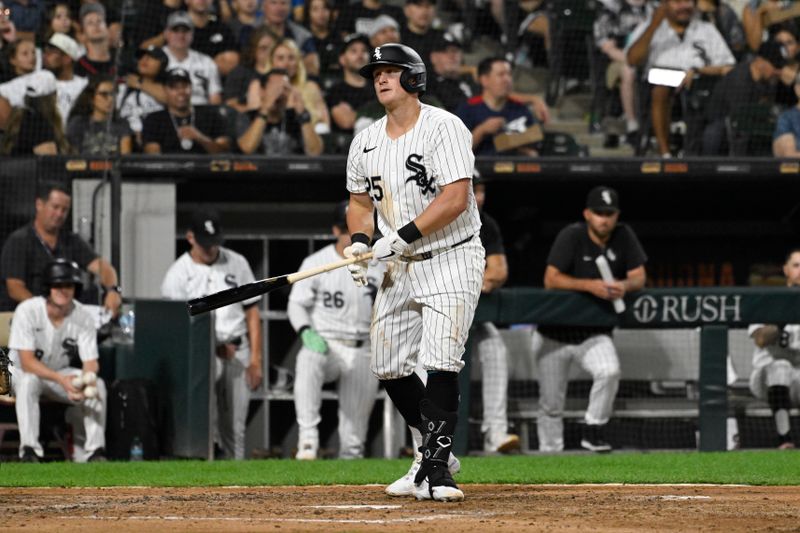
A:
x: 32, y: 330
x: 338, y: 308
x: 187, y: 279
x: 404, y: 175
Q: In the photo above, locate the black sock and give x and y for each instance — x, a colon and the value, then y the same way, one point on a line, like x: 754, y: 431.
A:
x: 778, y: 398
x: 442, y: 390
x: 406, y: 393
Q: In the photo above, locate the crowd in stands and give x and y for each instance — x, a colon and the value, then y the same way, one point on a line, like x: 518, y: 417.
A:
x: 679, y: 77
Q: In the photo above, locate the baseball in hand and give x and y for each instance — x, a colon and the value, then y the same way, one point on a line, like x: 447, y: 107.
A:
x: 89, y: 378
x: 90, y: 391
x: 77, y: 382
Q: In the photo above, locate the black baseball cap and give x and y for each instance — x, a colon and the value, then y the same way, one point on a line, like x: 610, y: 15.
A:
x: 206, y: 228
x: 156, y: 52
x: 602, y: 198
x: 773, y: 52
x: 443, y: 42
x: 354, y: 38
x: 340, y: 215
x: 178, y: 74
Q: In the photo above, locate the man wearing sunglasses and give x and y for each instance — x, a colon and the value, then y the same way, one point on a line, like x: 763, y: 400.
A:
x: 571, y: 266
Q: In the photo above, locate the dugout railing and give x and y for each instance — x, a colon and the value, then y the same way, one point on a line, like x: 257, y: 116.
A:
x: 714, y: 310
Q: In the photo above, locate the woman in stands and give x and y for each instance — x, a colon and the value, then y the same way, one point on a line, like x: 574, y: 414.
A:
x: 36, y: 128
x: 94, y: 127
x: 286, y: 55
x: 21, y: 57
x: 318, y: 18
x: 242, y: 89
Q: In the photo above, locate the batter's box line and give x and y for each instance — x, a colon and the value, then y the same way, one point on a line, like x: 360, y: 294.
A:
x: 172, y: 518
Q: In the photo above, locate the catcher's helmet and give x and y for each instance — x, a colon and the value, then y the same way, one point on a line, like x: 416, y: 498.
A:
x: 62, y: 271
x: 399, y: 55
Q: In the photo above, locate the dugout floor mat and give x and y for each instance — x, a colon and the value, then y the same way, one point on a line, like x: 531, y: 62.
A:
x: 366, y: 508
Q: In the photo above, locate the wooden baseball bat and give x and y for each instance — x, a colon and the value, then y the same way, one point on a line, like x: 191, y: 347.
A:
x: 257, y: 288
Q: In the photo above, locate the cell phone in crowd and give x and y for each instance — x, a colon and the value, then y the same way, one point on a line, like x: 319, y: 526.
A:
x: 668, y: 77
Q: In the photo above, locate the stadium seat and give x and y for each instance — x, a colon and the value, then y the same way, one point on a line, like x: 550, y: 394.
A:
x: 571, y: 22
x: 561, y: 144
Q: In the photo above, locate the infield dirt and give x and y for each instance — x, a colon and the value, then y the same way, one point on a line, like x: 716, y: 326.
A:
x: 366, y: 508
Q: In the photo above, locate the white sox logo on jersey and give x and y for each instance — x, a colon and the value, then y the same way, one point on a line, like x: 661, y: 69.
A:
x: 420, y: 174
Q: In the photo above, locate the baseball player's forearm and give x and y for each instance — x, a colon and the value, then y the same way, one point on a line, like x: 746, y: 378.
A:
x: 92, y: 365
x: 635, y: 280
x: 445, y: 208
x: 253, y: 318
x: 359, y: 214
x: 32, y: 365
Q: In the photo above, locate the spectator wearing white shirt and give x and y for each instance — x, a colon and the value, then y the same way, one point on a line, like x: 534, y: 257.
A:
x: 675, y: 38
x: 60, y: 54
x: 206, y: 85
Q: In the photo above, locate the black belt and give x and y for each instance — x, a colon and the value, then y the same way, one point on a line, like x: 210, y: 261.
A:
x: 427, y: 255
x: 351, y: 343
x: 237, y: 341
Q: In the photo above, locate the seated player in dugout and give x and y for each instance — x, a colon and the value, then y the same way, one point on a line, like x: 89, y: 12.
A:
x: 571, y: 265
x: 332, y: 315
x: 53, y: 347
x: 30, y: 248
x: 776, y: 362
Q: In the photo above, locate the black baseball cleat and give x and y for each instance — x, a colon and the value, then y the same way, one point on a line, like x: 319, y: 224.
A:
x: 98, y: 456
x: 28, y: 455
x: 594, y: 439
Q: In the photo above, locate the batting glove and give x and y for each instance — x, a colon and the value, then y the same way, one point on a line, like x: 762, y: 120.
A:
x: 389, y: 248
x: 357, y: 270
x: 313, y: 340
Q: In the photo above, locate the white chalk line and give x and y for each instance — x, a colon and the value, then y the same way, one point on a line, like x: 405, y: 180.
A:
x: 348, y: 507
x: 673, y: 497
x: 176, y: 518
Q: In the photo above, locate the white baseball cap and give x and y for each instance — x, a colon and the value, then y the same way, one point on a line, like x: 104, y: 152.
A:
x: 66, y: 44
x: 40, y: 83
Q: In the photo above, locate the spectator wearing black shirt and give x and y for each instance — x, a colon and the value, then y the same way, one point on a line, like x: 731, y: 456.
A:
x: 750, y: 82
x: 318, y: 18
x: 98, y: 58
x: 94, y: 129
x: 281, y: 125
x: 242, y: 90
x: 276, y: 18
x: 418, y: 31
x: 36, y: 127
x: 146, y: 29
x: 31, y: 247
x: 244, y: 21
x: 27, y: 16
x: 212, y: 37
x: 182, y: 128
x: 353, y: 91
x: 571, y: 266
x: 353, y: 17
x: 143, y: 91
x: 447, y: 79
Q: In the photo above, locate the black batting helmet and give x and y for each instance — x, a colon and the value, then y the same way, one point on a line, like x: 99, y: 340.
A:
x: 399, y: 55
x: 62, y: 271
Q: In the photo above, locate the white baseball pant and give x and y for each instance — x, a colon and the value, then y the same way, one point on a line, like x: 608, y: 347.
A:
x: 779, y: 372
x: 493, y: 355
x: 425, y: 311
x: 230, y: 402
x: 357, y: 388
x: 29, y: 388
x: 598, y: 357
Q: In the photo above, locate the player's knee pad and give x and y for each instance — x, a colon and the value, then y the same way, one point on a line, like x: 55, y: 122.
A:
x: 778, y: 373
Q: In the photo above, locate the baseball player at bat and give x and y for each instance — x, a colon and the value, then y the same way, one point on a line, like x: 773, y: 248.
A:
x: 414, y: 166
x: 53, y: 342
x: 209, y: 267
x: 332, y: 317
x: 776, y: 362
x: 571, y: 265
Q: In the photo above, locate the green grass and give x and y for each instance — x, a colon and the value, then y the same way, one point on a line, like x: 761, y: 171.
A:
x: 749, y: 467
